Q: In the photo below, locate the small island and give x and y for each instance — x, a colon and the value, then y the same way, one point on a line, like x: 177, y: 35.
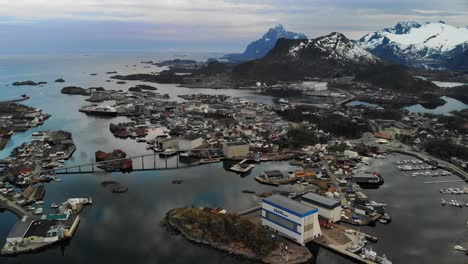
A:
x: 235, y: 234
x: 27, y: 83
x: 75, y: 90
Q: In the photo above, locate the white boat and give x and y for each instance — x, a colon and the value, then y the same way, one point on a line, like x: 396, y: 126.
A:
x: 459, y: 248
x: 38, y: 211
x: 369, y: 254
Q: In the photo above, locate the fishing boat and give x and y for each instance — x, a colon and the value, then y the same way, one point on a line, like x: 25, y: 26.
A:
x: 55, y: 205
x: 168, y: 153
x: 442, y: 202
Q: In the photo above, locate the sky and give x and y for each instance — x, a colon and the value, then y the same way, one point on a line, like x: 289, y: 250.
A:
x: 36, y: 26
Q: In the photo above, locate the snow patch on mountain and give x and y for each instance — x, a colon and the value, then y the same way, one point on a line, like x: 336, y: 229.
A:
x: 413, y: 44
x: 337, y: 47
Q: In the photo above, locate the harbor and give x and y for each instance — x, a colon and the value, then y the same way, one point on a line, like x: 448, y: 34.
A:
x: 212, y: 185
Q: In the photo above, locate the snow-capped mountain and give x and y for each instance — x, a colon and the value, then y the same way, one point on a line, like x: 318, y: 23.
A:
x: 262, y: 46
x: 336, y: 47
x: 327, y: 56
x: 418, y: 45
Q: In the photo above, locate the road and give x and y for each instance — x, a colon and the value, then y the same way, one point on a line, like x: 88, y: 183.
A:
x: 334, y: 181
x: 13, y: 207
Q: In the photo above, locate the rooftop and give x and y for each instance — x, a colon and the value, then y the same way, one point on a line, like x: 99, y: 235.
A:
x: 320, y: 200
x: 20, y: 229
x: 290, y: 205
x: 240, y: 143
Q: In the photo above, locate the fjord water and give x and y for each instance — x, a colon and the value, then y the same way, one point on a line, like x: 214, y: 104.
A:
x: 125, y: 228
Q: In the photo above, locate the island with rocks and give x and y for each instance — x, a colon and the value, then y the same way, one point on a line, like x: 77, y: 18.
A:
x: 234, y: 234
x: 28, y: 83
x: 75, y: 90
x: 17, y: 117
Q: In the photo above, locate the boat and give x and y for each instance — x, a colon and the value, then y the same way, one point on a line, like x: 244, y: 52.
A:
x: 242, y: 167
x: 356, y: 246
x: 209, y: 160
x: 55, y: 205
x: 442, y: 202
x: 459, y: 248
x: 99, y: 110
x: 383, y: 260
x: 38, y: 211
x: 368, y: 180
x: 168, y: 153
x: 369, y: 254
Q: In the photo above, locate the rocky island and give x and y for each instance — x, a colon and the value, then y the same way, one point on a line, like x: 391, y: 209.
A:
x: 235, y: 234
x: 75, y: 90
x: 17, y: 117
x: 27, y: 83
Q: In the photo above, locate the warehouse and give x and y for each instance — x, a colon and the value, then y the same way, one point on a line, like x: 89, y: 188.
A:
x: 327, y: 208
x: 190, y: 142
x: 19, y: 231
x: 292, y: 219
x: 233, y: 150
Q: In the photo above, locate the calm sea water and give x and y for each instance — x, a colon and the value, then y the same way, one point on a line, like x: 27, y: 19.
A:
x: 450, y: 105
x: 124, y: 228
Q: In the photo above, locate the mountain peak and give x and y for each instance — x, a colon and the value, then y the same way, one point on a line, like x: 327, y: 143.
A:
x: 418, y: 45
x: 279, y: 27
x: 403, y: 27
x: 262, y: 46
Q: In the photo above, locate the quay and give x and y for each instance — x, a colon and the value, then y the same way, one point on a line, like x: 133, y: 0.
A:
x: 337, y: 239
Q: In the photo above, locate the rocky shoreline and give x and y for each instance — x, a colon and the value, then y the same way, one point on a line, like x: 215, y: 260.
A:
x: 254, y: 244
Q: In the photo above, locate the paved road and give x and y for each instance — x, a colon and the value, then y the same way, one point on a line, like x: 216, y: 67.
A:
x: 334, y: 181
x: 13, y: 207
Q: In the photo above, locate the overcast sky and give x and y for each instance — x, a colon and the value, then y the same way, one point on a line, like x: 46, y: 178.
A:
x: 199, y: 25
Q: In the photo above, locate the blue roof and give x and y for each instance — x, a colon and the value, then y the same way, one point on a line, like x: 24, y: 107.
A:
x: 289, y: 205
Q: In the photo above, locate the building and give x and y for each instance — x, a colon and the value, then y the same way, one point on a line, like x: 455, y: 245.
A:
x: 292, y: 219
x: 167, y: 143
x: 18, y: 232
x: 232, y: 150
x: 327, y: 208
x: 189, y: 143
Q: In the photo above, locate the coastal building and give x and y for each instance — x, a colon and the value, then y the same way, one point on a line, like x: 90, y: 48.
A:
x: 327, y: 208
x: 233, y: 150
x: 167, y: 143
x: 18, y: 232
x: 291, y: 218
x: 189, y: 143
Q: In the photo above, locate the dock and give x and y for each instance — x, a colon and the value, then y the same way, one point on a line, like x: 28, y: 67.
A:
x: 338, y: 240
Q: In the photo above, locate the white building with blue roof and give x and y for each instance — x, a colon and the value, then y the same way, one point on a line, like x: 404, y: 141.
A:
x: 292, y: 219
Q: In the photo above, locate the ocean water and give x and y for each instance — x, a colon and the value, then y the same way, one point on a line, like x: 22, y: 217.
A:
x: 125, y: 228
x: 450, y: 105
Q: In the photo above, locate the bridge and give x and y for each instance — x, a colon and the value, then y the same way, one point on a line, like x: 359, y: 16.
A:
x: 147, y: 162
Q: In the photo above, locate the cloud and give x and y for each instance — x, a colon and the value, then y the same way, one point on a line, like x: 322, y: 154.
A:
x: 217, y: 23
